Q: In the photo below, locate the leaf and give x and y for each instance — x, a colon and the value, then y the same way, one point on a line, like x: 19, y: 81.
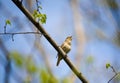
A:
x: 90, y: 59
x: 30, y: 65
x: 17, y: 58
x: 52, y: 79
x: 8, y: 22
x: 66, y: 80
x: 112, y: 4
x: 35, y: 13
x: 39, y: 17
x: 44, y: 76
x: 31, y: 68
x: 27, y: 79
x: 43, y: 18
x: 108, y: 65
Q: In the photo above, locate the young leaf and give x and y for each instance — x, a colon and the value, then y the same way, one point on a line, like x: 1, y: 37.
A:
x: 66, y: 80
x: 43, y: 18
x: 39, y: 17
x: 8, y: 22
x: 27, y: 79
x: 17, y: 58
x: 44, y: 76
x: 30, y: 65
x: 108, y: 65
x: 90, y: 59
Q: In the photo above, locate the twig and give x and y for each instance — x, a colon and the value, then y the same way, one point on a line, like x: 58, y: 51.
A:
x: 12, y: 34
x: 37, y: 4
x: 19, y: 33
x: 112, y: 78
x: 113, y: 69
x: 51, y: 41
x: 116, y: 73
x: 5, y: 28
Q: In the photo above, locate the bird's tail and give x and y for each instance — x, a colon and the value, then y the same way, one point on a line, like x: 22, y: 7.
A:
x: 58, y: 63
x: 59, y: 59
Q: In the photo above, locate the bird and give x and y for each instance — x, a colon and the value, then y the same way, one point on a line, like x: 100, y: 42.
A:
x: 66, y: 47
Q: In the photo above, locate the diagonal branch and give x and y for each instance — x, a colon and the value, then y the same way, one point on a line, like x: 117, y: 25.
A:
x: 51, y: 41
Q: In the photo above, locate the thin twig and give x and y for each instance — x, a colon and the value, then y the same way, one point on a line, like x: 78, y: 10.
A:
x: 116, y: 73
x: 16, y: 33
x: 5, y: 28
x: 19, y: 33
x: 112, y: 77
x: 37, y: 4
x: 113, y: 69
x: 51, y: 41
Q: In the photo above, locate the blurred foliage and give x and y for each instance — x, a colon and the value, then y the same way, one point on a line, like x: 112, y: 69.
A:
x: 112, y: 4
x: 22, y: 61
x: 45, y: 77
x: 90, y: 59
x: 30, y: 65
x: 66, y: 80
x: 117, y: 38
x: 27, y: 79
x: 17, y: 58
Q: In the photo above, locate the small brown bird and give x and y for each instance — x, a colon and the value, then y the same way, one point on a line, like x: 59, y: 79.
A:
x: 66, y: 46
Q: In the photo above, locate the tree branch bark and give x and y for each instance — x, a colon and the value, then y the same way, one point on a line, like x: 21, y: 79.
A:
x: 51, y: 41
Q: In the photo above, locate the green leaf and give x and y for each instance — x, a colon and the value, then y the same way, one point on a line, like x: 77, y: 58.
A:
x: 43, y: 18
x: 108, y: 65
x: 52, y: 79
x: 35, y: 13
x: 8, y: 22
x: 90, y: 59
x: 30, y: 65
x: 17, y: 58
x: 66, y: 80
x: 44, y: 76
x: 39, y: 17
x: 27, y: 79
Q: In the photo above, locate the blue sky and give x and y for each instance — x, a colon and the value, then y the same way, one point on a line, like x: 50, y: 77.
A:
x: 95, y: 20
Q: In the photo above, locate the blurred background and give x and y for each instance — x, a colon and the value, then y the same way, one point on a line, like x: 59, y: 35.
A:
x: 93, y: 24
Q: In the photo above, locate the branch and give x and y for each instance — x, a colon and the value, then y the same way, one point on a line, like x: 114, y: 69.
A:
x: 12, y: 34
x: 51, y: 41
x: 116, y: 73
x: 6, y: 33
x: 112, y: 78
